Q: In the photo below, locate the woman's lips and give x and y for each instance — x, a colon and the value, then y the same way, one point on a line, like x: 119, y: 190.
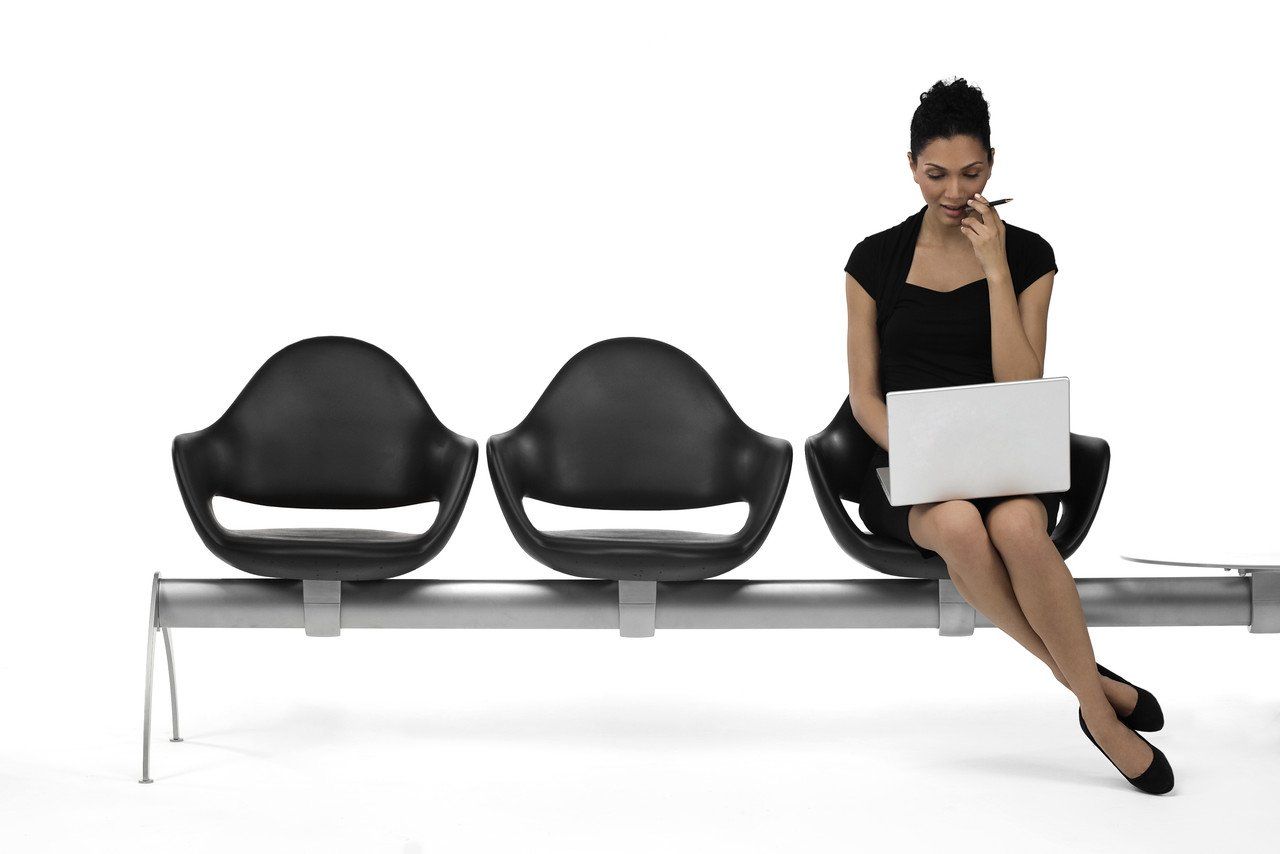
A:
x: 956, y: 213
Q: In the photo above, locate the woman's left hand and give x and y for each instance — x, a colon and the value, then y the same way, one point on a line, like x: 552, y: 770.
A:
x: 986, y: 233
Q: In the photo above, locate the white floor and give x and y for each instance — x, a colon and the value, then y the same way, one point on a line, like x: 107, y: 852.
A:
x: 583, y: 741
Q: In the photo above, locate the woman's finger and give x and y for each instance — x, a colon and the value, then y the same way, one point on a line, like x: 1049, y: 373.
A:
x: 979, y: 203
x: 977, y: 209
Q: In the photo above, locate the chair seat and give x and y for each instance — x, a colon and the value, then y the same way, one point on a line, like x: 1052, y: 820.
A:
x: 336, y: 536
x: 641, y: 554
x: 641, y: 537
x: 892, y: 557
x: 341, y: 554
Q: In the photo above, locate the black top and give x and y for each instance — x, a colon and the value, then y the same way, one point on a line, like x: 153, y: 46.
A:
x: 928, y: 338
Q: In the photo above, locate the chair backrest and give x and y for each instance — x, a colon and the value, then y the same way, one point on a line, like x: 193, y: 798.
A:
x: 845, y: 450
x: 329, y: 423
x: 632, y: 424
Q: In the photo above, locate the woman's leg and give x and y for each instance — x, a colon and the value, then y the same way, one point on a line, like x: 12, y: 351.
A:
x: 1050, y: 601
x: 954, y: 529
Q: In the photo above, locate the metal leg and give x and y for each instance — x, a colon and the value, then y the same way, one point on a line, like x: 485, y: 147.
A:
x: 151, y: 660
x: 173, y: 686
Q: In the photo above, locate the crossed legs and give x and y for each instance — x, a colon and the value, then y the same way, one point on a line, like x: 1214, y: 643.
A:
x: 1010, y: 571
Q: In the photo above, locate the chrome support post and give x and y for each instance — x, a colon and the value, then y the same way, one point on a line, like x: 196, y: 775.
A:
x: 151, y: 660
x: 322, y: 608
x: 173, y: 685
x: 637, y: 608
x: 1264, y: 587
x: 955, y: 615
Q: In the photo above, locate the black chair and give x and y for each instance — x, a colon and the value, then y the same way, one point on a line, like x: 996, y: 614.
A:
x: 839, y: 455
x: 326, y: 423
x: 635, y: 424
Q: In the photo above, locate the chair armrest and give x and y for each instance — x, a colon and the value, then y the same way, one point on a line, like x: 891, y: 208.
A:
x: 197, y: 463
x: 506, y: 470
x: 823, y: 474
x: 764, y: 484
x: 1090, y: 463
x: 457, y: 470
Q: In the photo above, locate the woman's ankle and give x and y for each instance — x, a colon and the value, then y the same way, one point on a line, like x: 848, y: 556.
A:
x: 1123, y: 697
x: 1098, y: 712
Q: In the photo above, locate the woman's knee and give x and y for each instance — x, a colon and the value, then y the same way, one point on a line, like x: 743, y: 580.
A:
x: 950, y: 528
x: 1017, y: 523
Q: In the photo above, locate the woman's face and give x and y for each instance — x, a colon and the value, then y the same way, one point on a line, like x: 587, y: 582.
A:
x: 949, y: 172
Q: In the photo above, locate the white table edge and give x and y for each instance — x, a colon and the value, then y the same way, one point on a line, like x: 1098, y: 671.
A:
x: 1218, y: 565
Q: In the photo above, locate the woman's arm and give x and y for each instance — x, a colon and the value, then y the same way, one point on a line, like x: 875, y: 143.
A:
x: 1019, y: 326
x: 1018, y: 323
x: 865, y: 399
x: 1033, y: 306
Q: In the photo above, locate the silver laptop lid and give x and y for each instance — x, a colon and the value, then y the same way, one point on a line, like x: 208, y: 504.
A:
x: 973, y: 441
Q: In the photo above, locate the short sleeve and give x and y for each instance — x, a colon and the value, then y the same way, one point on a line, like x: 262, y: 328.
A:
x: 1037, y: 259
x: 862, y: 266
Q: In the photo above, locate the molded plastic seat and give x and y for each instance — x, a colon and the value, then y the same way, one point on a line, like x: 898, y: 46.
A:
x: 635, y: 424
x: 326, y: 423
x: 838, y: 457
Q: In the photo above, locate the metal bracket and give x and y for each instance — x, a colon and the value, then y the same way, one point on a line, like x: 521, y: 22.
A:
x: 637, y: 608
x: 322, y: 608
x: 1264, y: 585
x: 955, y: 615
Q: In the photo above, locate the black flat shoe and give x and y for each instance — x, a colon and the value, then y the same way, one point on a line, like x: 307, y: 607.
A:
x: 1156, y: 780
x: 1146, y: 715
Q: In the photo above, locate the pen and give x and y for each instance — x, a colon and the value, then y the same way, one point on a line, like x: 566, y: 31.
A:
x: 990, y: 204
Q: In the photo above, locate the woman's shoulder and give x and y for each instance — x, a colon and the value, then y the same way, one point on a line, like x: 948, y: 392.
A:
x: 1024, y: 238
x: 1030, y: 256
x: 873, y: 248
x: 872, y: 258
x: 867, y: 260
x: 886, y: 235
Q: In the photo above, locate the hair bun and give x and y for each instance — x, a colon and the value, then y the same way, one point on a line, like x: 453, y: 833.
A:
x: 950, y: 109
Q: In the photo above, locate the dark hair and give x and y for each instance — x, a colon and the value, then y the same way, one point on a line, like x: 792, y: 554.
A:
x: 948, y: 109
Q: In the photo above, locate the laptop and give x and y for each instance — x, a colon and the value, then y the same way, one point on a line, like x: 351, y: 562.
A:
x: 975, y: 441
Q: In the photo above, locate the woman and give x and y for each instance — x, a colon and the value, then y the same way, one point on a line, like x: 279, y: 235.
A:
x: 953, y: 297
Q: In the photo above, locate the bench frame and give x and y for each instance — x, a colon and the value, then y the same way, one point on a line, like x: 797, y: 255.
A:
x: 640, y: 608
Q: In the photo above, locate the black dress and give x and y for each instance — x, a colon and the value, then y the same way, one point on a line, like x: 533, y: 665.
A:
x: 930, y: 339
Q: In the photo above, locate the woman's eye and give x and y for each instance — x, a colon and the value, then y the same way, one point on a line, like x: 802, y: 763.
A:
x: 939, y: 177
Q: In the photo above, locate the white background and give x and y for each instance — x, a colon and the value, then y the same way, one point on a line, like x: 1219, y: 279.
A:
x: 484, y: 189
